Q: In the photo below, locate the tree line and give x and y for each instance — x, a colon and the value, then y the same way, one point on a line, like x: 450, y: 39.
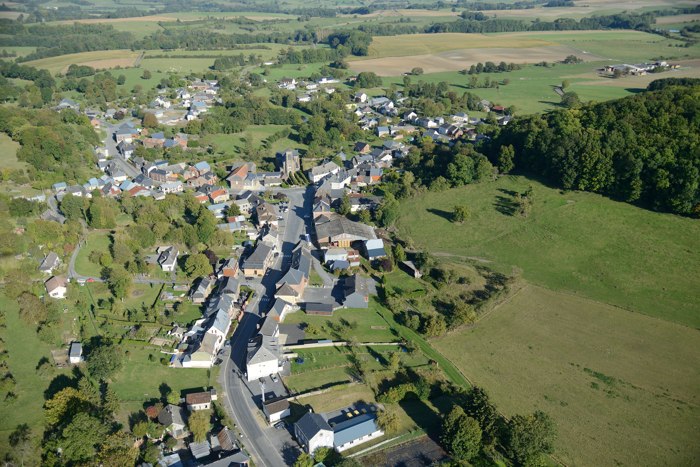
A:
x: 642, y: 149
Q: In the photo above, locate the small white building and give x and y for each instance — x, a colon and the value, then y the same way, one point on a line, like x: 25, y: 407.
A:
x: 75, y: 353
x: 276, y: 409
x: 200, y: 400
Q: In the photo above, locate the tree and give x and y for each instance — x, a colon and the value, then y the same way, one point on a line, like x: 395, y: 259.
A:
x: 81, y: 438
x: 479, y: 407
x: 529, y: 437
x: 345, y: 205
x: 119, y: 281
x: 117, y: 450
x: 150, y: 120
x: 121, y: 79
x: 146, y: 74
x: 416, y: 71
x: 199, y: 424
x: 64, y: 405
x: 506, y: 158
x: 399, y: 253
x: 103, y: 360
x: 197, y: 265
x: 368, y: 79
x: 461, y: 435
x: 570, y: 100
x: 461, y: 213
x: 394, y: 361
x: 389, y: 211
x: 387, y: 420
x: 565, y: 84
x: 304, y: 460
x: 206, y: 225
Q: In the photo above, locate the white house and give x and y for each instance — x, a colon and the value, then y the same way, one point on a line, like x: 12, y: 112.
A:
x: 262, y: 359
x: 200, y: 400
x: 167, y: 258
x: 312, y: 431
x: 355, y: 431
x: 56, y: 287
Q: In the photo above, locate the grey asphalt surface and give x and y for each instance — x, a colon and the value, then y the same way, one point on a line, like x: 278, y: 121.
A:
x: 111, y: 146
x: 269, y: 447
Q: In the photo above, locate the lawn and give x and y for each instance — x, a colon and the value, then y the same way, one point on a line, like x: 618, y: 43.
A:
x: 140, y: 379
x: 96, y: 241
x: 370, y: 327
x: 585, y: 244
x: 8, y: 153
x: 621, y: 387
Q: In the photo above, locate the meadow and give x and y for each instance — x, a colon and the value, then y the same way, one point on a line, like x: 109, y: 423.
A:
x: 8, y: 153
x: 586, y: 244
x: 98, y: 59
x: 96, y: 241
x: 621, y: 387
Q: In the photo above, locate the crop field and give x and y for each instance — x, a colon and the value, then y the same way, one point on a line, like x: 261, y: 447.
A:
x: 98, y: 59
x: 394, y: 55
x: 621, y: 387
x: 586, y: 244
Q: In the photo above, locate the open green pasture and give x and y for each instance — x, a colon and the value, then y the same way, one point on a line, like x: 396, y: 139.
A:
x: 574, y: 242
x: 620, y: 386
x: 96, y: 241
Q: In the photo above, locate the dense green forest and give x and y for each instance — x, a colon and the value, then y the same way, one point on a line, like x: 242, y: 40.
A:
x: 642, y: 149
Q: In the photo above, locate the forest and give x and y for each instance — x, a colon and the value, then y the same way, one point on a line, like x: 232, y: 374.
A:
x: 642, y: 149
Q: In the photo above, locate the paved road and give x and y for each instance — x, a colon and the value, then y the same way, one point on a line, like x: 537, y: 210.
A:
x: 267, y: 447
x: 111, y: 146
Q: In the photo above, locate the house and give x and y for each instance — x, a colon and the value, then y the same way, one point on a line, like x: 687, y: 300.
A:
x: 262, y: 359
x: 173, y: 418
x: 126, y: 132
x: 68, y: 104
x: 374, y: 249
x: 200, y: 400
x: 75, y: 353
x: 335, y: 230
x: 318, y: 173
x: 383, y: 131
x: 276, y: 409
x: 49, y: 263
x: 59, y: 187
x: 267, y: 214
x: 288, y: 162
x: 200, y: 449
x: 356, y: 292
x: 229, y: 268
x: 362, y: 148
x: 460, y: 117
x: 167, y: 258
x: 410, y: 268
x: 242, y: 177
x: 219, y: 196
x: 355, y: 431
x: 335, y: 254
x: 291, y: 287
x: 219, y: 210
x: 288, y: 83
x: 258, y: 261
x: 56, y: 287
x: 200, y: 292
x: 360, y: 97
x: 230, y: 286
x: 202, y: 167
x: 312, y: 431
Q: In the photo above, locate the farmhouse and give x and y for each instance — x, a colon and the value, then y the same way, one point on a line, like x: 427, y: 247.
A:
x: 334, y: 230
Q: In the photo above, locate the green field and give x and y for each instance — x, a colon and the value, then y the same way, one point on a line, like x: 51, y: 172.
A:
x: 96, y: 241
x: 621, y: 387
x: 8, y: 153
x: 99, y: 59
x: 573, y: 242
x: 24, y: 350
x: 371, y: 327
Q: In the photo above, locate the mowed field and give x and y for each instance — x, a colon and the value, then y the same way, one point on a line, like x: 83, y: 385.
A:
x: 99, y: 59
x: 621, y: 387
x: 574, y: 242
x: 394, y: 55
x: 8, y: 153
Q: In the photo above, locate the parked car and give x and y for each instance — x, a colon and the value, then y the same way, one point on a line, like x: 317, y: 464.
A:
x: 275, y: 378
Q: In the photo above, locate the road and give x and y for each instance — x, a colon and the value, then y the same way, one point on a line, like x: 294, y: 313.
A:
x: 258, y: 438
x: 111, y: 146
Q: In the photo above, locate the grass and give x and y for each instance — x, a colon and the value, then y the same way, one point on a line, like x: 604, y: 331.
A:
x: 602, y: 373
x: 96, y: 241
x: 586, y: 244
x: 99, y: 59
x: 371, y: 327
x: 140, y: 379
x: 8, y: 153
x: 25, y: 350
x: 142, y: 294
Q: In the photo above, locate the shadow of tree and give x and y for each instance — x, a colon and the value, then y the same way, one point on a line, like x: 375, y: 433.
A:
x: 441, y: 213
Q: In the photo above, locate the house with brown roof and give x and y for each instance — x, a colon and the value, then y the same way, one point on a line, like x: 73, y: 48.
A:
x: 200, y: 400
x: 56, y: 287
x: 276, y: 409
